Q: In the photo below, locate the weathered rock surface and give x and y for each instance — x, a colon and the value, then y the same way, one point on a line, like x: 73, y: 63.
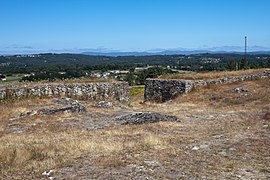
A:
x: 22, y: 115
x: 72, y: 106
x: 71, y: 109
x: 143, y: 117
x: 160, y: 90
x: 66, y: 101
x: 104, y: 104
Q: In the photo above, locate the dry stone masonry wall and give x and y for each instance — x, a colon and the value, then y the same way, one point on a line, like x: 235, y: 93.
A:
x: 159, y: 90
x: 118, y: 91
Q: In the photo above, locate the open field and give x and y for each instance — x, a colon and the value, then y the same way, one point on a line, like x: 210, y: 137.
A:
x: 220, y: 134
x: 11, y: 79
x: 211, y: 75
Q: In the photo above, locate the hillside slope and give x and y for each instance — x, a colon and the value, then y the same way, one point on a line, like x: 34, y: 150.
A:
x: 221, y: 133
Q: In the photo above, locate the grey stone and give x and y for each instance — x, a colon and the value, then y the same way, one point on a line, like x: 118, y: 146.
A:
x: 65, y: 101
x: 240, y: 90
x: 164, y: 90
x: 104, y: 104
x: 72, y: 109
x: 160, y: 90
x: 143, y: 117
x: 22, y: 115
x: 118, y: 91
x: 73, y: 106
x: 195, y: 148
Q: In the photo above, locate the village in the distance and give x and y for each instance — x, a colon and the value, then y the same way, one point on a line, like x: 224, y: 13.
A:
x: 133, y: 69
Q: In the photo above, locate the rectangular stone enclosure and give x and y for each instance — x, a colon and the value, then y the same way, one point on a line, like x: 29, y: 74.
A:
x: 160, y: 90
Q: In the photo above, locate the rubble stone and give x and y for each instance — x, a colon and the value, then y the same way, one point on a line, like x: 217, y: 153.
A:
x: 143, y: 117
x: 118, y: 91
x: 104, y: 104
x: 160, y: 90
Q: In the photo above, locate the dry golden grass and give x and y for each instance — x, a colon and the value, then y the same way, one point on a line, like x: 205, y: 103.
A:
x: 224, y: 96
x: 212, y: 75
x: 46, y: 147
x: 38, y: 152
x: 15, y: 107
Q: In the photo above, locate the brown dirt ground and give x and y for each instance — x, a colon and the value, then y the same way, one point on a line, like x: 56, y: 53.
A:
x: 220, y: 134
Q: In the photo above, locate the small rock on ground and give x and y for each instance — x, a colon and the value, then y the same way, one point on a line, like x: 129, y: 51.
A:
x: 104, y: 104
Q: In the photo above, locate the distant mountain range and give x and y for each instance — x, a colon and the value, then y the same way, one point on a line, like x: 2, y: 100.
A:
x: 112, y: 52
x: 168, y: 52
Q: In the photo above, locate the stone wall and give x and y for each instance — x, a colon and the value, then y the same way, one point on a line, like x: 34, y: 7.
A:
x: 158, y: 90
x: 118, y: 91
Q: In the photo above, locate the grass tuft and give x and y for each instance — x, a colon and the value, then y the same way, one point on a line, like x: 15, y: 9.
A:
x: 212, y: 75
x: 134, y: 91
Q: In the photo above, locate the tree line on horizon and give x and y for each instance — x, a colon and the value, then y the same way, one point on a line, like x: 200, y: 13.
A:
x: 48, y: 66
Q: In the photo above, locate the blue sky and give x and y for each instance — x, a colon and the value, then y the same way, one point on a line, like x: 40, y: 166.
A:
x: 132, y: 25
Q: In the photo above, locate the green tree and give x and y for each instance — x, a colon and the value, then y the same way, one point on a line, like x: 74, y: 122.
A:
x: 232, y: 65
x: 244, y: 64
x: 268, y: 63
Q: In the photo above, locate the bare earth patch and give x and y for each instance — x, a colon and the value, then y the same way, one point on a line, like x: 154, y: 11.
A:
x: 220, y: 133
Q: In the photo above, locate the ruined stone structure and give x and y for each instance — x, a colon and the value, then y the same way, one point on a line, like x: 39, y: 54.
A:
x: 118, y: 91
x: 159, y: 90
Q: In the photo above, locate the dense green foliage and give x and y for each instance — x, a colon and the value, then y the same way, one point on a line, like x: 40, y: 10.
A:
x: 50, y: 66
x: 138, y: 78
x: 51, y: 76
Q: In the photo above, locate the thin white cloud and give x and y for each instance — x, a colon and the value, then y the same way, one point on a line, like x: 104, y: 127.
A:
x: 16, y: 46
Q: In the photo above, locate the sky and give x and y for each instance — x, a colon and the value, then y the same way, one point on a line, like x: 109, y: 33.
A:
x: 132, y: 25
